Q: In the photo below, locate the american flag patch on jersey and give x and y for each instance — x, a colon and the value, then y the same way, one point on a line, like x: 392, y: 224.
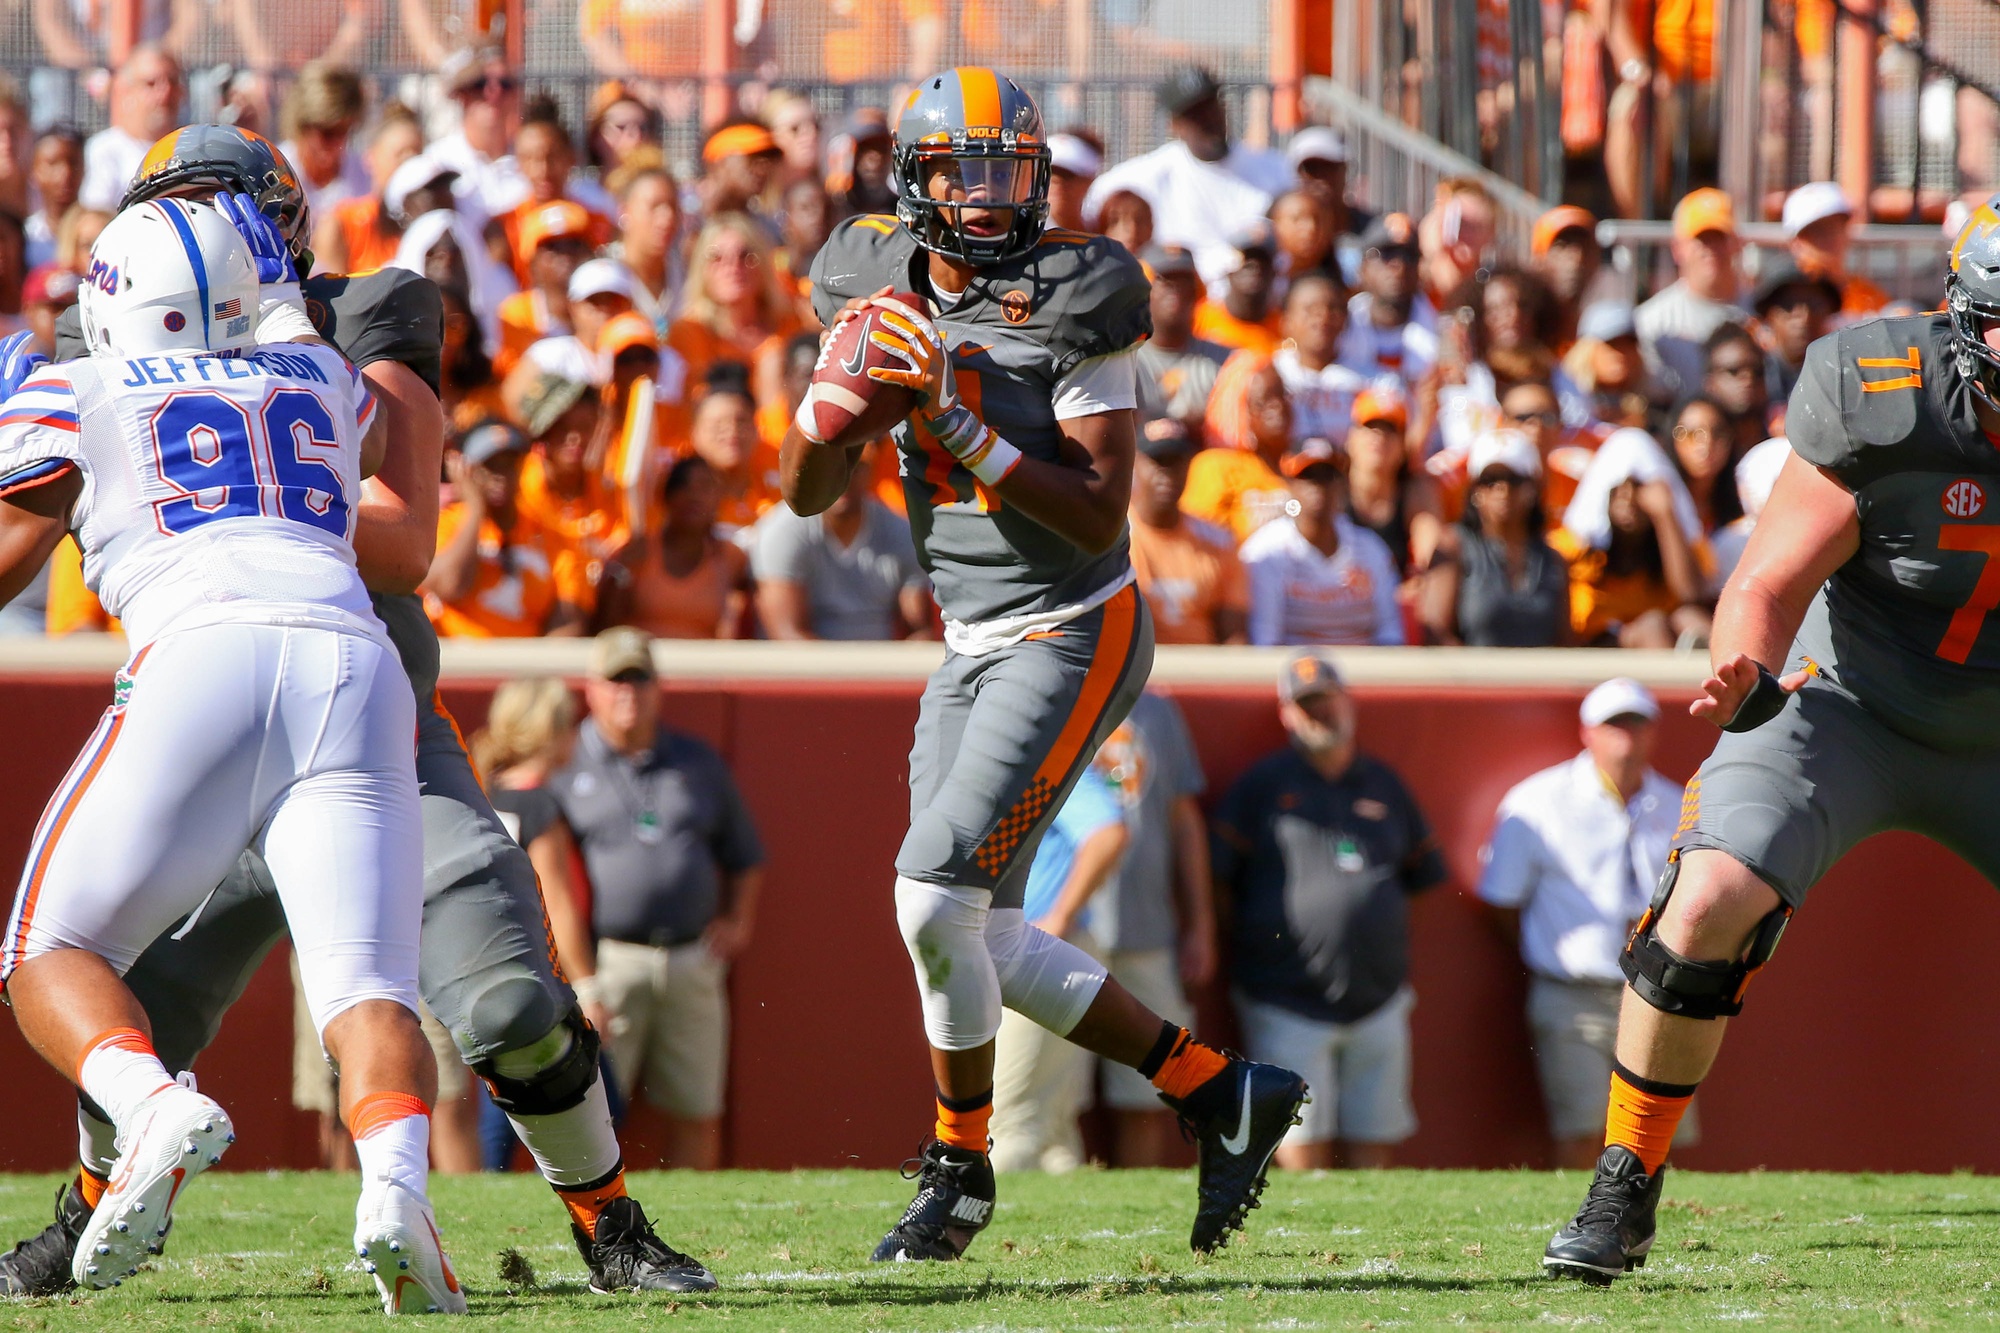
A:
x: 229, y: 309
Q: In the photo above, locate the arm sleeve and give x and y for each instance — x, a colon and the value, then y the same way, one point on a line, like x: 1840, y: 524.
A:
x: 737, y: 847
x: 1101, y: 384
x: 1511, y: 858
x: 40, y: 437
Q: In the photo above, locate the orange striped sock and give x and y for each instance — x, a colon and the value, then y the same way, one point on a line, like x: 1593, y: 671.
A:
x: 585, y: 1202
x: 962, y: 1122
x: 90, y: 1185
x: 119, y: 1070
x: 378, y: 1110
x: 1643, y: 1115
x: 1179, y: 1064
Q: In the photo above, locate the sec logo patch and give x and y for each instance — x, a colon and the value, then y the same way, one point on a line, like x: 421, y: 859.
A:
x: 1964, y: 498
x: 1014, y: 307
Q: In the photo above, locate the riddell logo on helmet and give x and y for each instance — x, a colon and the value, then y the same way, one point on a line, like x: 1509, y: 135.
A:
x: 1964, y: 499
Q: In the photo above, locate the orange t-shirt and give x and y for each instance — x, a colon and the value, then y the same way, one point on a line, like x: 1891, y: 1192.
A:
x: 73, y: 608
x: 1598, y: 600
x: 701, y: 347
x: 593, y: 524
x: 661, y: 38
x: 367, y: 248
x: 1684, y: 39
x: 1858, y: 296
x: 1188, y: 572
x: 1235, y: 490
x: 1213, y: 321
x: 512, y: 599
x: 524, y: 320
x: 691, y: 605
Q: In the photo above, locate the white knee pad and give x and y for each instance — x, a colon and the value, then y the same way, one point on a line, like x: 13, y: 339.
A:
x: 945, y: 929
x: 1042, y: 978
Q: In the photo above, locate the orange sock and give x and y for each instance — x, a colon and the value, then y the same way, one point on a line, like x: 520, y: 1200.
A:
x: 962, y: 1124
x: 380, y: 1109
x: 1180, y: 1064
x: 585, y: 1202
x: 1644, y: 1114
x: 90, y: 1185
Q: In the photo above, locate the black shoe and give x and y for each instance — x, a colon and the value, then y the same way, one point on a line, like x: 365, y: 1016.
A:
x: 40, y: 1265
x: 1237, y: 1119
x: 1613, y: 1230
x: 954, y: 1203
x: 627, y: 1255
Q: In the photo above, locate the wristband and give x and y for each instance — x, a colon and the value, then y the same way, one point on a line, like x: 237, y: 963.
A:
x: 975, y: 444
x: 1765, y: 701
x: 281, y: 315
x: 802, y: 421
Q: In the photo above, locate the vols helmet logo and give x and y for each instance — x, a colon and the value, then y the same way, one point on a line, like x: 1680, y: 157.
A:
x: 1015, y: 307
x: 1964, y: 498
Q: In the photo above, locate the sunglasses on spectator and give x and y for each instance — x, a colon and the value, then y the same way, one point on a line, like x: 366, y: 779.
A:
x: 1535, y: 418
x: 491, y: 84
x: 739, y: 258
x: 1694, y: 433
x: 1732, y: 368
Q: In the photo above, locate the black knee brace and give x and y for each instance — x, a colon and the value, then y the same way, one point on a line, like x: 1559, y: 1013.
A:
x: 1682, y: 986
x: 559, y: 1087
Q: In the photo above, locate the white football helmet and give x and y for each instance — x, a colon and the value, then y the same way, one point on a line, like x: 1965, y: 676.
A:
x: 169, y: 275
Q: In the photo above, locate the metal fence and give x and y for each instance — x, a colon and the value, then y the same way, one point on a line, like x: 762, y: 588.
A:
x: 1092, y: 63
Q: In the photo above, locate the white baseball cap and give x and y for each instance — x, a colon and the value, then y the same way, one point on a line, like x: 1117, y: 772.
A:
x: 1074, y: 155
x: 1812, y: 202
x: 1316, y: 142
x: 1503, y: 448
x: 412, y: 176
x: 602, y: 277
x: 1757, y: 473
x: 1621, y: 696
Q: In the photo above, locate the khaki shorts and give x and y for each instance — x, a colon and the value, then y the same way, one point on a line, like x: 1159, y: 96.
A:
x: 1574, y: 1026
x: 670, y: 1030
x: 1154, y: 978
x: 313, y: 1085
x: 1041, y: 1083
x: 1359, y: 1072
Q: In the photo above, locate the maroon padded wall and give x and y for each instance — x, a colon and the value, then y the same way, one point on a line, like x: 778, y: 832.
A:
x: 1867, y: 1046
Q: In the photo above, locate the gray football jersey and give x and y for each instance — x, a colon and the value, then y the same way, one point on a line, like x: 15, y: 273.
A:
x: 388, y: 315
x: 1014, y: 334
x: 1906, y: 625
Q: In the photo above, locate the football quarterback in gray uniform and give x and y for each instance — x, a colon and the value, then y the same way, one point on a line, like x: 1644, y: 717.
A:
x: 1857, y: 680
x: 1016, y: 469
x: 487, y: 969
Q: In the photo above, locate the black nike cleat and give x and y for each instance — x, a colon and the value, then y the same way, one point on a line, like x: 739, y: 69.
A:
x: 954, y: 1203
x: 40, y: 1265
x: 628, y: 1255
x: 1613, y: 1231
x: 1237, y: 1119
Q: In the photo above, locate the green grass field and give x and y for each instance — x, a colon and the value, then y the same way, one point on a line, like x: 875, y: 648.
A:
x: 1097, y: 1250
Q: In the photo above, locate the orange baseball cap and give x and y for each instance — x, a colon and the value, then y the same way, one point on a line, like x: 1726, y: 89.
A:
x: 624, y: 332
x: 1706, y: 209
x: 745, y: 140
x: 1310, y: 454
x: 1381, y: 402
x: 1562, y: 218
x: 552, y: 222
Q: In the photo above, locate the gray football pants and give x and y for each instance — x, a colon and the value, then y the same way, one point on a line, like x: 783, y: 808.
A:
x: 1002, y: 738
x: 1789, y: 798
x: 487, y: 968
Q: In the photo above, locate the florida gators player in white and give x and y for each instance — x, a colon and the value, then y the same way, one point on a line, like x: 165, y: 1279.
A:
x: 210, y: 483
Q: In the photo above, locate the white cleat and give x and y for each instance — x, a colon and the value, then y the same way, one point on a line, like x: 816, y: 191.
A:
x: 396, y: 1237
x: 176, y: 1135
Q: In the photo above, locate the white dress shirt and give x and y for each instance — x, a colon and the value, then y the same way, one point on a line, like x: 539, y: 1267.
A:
x: 1579, y: 863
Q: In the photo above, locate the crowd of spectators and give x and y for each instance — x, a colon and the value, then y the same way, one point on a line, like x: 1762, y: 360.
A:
x: 1355, y: 428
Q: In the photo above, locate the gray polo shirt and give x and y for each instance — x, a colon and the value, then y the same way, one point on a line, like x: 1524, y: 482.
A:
x: 658, y: 833
x: 850, y: 590
x: 1154, y: 765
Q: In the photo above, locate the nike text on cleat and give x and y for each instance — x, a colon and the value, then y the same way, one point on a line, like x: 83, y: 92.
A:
x: 1613, y: 1232
x: 1237, y: 1119
x: 175, y: 1135
x: 624, y: 1253
x: 954, y: 1203
x: 393, y: 1219
x: 41, y: 1264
